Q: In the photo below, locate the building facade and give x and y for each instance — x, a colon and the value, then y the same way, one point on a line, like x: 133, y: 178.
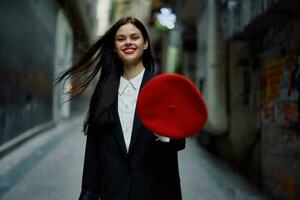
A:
x: 254, y: 46
x: 39, y: 39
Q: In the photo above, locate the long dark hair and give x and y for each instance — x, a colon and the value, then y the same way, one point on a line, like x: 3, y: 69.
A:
x: 100, y: 57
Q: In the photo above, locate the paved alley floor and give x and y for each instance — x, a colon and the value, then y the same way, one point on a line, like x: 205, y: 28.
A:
x: 49, y: 167
x: 203, y: 177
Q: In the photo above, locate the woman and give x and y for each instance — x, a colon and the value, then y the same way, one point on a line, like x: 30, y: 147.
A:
x: 123, y: 159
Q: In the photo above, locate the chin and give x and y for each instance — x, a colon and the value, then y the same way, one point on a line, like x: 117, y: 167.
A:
x: 130, y: 59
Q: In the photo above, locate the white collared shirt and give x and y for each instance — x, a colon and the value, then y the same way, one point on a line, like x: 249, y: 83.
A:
x: 127, y: 98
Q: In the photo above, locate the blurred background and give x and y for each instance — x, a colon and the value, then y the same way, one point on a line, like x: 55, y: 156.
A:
x: 243, y: 55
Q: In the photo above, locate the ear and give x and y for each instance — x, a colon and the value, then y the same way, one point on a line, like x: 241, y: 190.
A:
x: 146, y: 45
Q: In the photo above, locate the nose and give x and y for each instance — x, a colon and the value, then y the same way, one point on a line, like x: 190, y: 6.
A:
x: 128, y: 41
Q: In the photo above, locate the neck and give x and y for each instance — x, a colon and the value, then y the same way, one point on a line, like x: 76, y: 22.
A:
x: 132, y: 70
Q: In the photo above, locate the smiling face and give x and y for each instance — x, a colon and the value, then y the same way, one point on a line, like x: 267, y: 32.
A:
x: 130, y: 44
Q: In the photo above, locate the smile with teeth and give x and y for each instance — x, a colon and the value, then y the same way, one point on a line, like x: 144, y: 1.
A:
x: 129, y: 50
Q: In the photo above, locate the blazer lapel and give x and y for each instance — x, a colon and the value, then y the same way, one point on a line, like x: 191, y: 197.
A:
x: 118, y: 131
x: 137, y: 124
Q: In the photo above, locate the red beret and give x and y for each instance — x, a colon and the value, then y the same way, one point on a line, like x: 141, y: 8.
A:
x: 171, y: 105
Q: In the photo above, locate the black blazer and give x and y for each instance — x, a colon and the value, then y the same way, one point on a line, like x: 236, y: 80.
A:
x: 148, y: 171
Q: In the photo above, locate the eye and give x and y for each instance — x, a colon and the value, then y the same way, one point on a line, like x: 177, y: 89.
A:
x: 120, y: 39
x: 135, y: 37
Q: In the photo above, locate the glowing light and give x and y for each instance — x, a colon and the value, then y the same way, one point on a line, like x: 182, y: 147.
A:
x: 165, y: 11
x: 166, y: 18
x: 171, y: 26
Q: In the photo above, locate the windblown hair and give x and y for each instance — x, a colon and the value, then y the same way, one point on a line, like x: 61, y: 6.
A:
x: 101, y: 58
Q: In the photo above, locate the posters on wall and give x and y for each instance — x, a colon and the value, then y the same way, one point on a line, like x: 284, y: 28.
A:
x: 280, y: 93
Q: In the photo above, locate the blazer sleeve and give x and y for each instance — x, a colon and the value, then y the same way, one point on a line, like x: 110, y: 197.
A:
x: 176, y: 144
x: 91, y: 170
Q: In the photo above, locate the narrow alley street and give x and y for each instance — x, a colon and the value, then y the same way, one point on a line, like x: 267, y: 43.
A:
x: 237, y: 64
x: 49, y: 167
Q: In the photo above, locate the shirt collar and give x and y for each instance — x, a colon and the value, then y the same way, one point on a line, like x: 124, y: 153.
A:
x: 135, y: 82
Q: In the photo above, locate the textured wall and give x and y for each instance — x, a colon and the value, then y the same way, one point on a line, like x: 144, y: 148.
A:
x: 280, y: 114
x: 26, y: 64
x: 244, y: 94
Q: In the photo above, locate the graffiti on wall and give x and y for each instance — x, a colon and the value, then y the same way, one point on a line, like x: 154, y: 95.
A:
x: 284, y: 184
x: 280, y: 99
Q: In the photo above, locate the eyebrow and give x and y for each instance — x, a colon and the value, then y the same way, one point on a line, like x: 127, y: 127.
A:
x: 122, y: 35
